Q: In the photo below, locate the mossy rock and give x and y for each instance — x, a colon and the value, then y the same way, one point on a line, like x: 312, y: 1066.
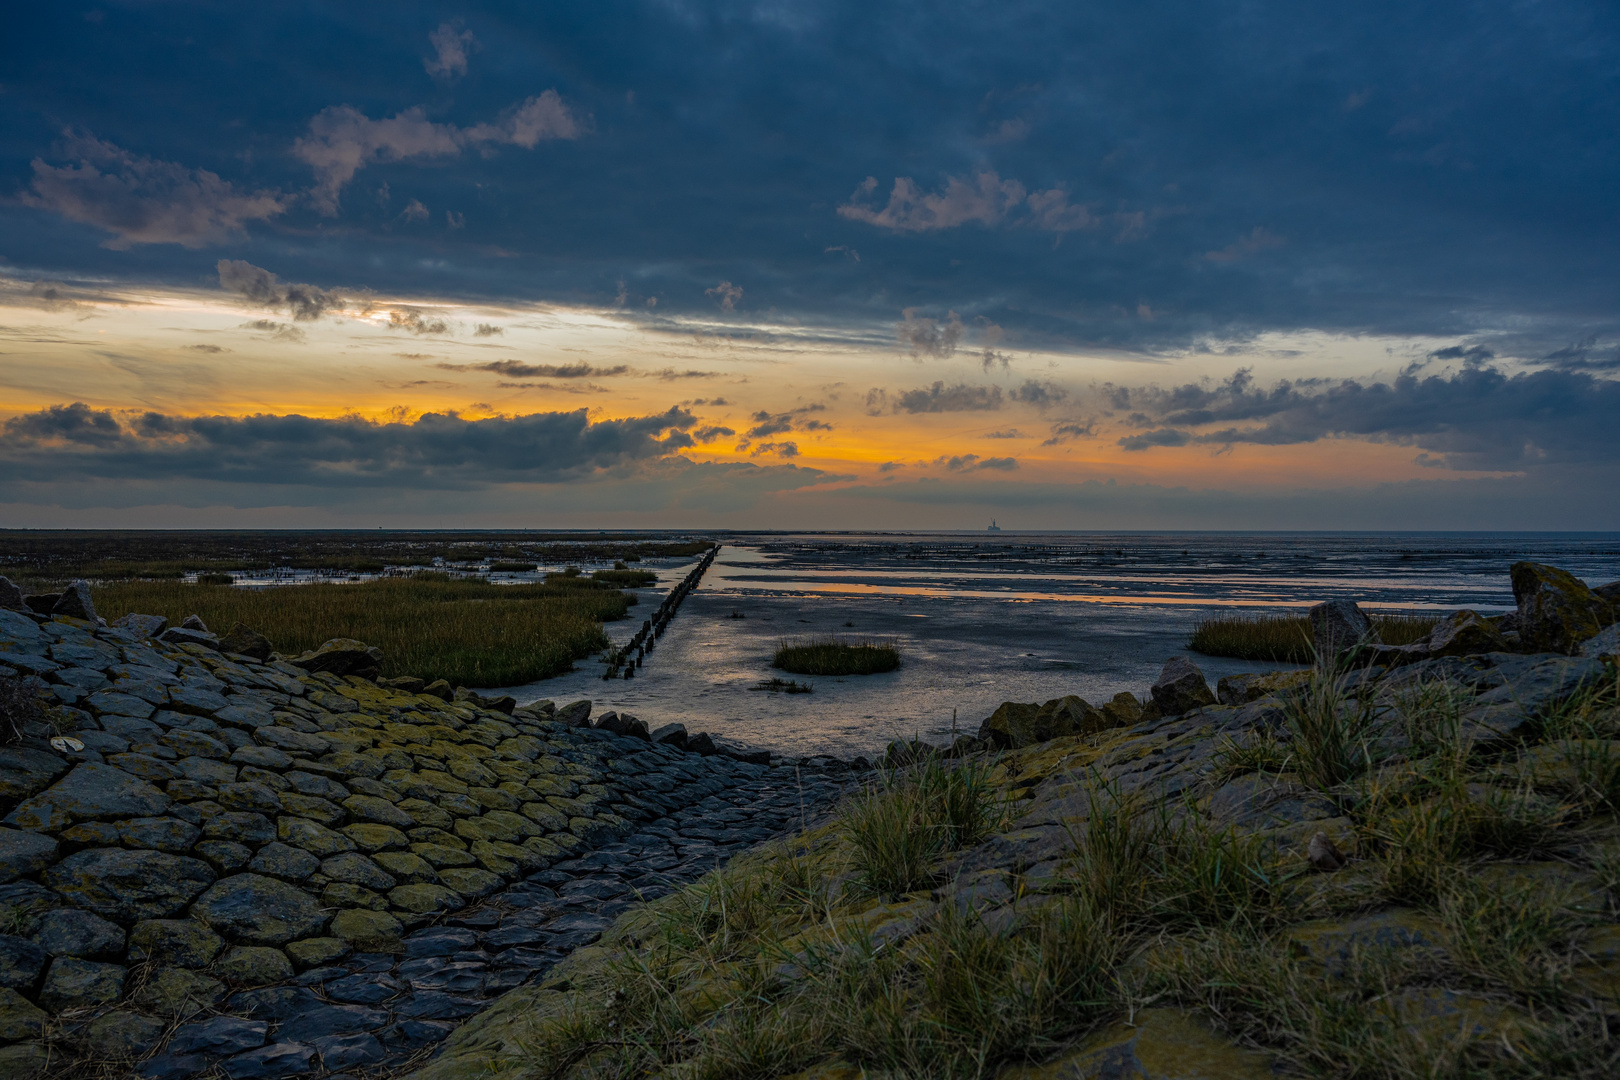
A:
x: 368, y: 931
x: 1015, y: 724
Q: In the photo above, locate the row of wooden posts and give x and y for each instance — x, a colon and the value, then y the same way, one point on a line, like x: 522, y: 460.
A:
x: 623, y: 662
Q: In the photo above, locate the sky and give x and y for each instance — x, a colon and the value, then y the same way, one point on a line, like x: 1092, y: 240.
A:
x: 876, y: 265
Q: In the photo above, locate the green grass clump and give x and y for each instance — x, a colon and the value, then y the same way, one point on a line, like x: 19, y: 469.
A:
x: 899, y: 826
x: 626, y: 579
x: 1287, y: 638
x: 467, y: 631
x: 830, y: 656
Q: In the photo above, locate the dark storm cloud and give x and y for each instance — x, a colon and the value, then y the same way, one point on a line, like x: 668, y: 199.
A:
x: 1478, y: 417
x: 768, y: 423
x: 76, y: 442
x: 1153, y: 176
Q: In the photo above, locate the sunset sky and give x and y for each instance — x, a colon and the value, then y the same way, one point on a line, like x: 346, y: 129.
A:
x: 811, y: 265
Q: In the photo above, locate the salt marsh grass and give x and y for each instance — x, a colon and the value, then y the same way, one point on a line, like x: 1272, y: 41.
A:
x: 468, y: 632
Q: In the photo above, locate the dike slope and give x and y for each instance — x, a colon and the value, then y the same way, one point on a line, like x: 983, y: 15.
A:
x: 255, y: 867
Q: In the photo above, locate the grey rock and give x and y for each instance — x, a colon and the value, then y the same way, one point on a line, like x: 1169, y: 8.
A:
x: 21, y: 634
x: 245, y: 641
x: 112, y: 702
x: 575, y: 714
x: 282, y: 1059
x: 179, y: 635
x: 184, y: 943
x: 197, y: 699
x: 437, y: 1005
x: 75, y: 602
x: 341, y: 656
x: 440, y: 941
x: 147, y: 766
x: 346, y: 1051
x: 219, y: 1035
x: 294, y: 741
x: 26, y: 772
x: 11, y: 597
x: 21, y: 962
x: 1339, y: 627
x: 325, y: 1020
x: 72, y: 983
x: 249, y: 797
x: 363, y: 989
x: 416, y: 1034
x: 84, y: 679
x: 1181, y: 687
x: 23, y: 853
x: 159, y: 834
x: 670, y: 735
x: 102, y: 742
x: 129, y: 885
x: 262, y: 757
x: 227, y: 855
x: 146, y: 626
x: 123, y: 1034
x: 1604, y: 643
x: 259, y: 910
x: 356, y: 869
x: 283, y: 861
x: 71, y: 932
x: 204, y: 770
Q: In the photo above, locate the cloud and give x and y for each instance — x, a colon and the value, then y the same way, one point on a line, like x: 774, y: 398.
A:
x: 1261, y: 239
x: 451, y: 46
x: 258, y: 286
x: 1158, y: 437
x: 206, y: 348
x: 413, y: 321
x: 415, y: 211
x: 342, y: 140
x: 713, y: 432
x: 516, y: 369
x: 1584, y: 355
x: 780, y: 449
x: 985, y: 198
x: 1478, y: 418
x: 1010, y: 433
x: 975, y: 463
x: 669, y: 374
x: 487, y: 330
x: 435, y: 450
x: 141, y: 200
x: 280, y: 331
x: 922, y: 336
x: 941, y: 398
x: 768, y: 423
x: 727, y: 293
x: 1039, y: 394
x: 1062, y: 433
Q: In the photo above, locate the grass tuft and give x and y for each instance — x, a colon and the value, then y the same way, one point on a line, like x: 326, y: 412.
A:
x: 783, y: 686
x: 830, y: 656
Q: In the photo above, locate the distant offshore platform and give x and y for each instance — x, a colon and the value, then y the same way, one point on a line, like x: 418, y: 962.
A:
x: 993, y: 526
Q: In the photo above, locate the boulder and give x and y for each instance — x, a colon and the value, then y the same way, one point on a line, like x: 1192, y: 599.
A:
x: 254, y: 965
x: 440, y: 689
x: 1180, y: 688
x: 343, y: 656
x: 1557, y: 611
x: 1464, y: 633
x: 368, y: 931
x: 1122, y: 710
x: 10, y: 596
x: 1242, y: 689
x: 408, y: 684
x: 27, y: 772
x: 92, y: 790
x: 1339, y: 627
x: 246, y: 641
x: 71, y: 932
x: 194, y: 622
x: 1605, y: 643
x: 574, y: 714
x: 179, y: 635
x: 122, y: 1034
x: 41, y: 603
x: 259, y: 910
x: 1015, y: 724
x: 75, y: 602
x: 23, y: 853
x: 701, y: 743
x: 73, y: 983
x: 184, y: 943
x: 149, y: 626
x: 19, y: 1018
x: 21, y: 962
x: 672, y: 734
x: 126, y: 886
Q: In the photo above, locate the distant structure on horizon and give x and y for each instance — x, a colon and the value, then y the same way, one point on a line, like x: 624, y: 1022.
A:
x: 993, y: 526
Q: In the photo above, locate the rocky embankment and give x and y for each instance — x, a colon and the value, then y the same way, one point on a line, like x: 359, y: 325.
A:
x: 225, y: 860
x: 1401, y: 863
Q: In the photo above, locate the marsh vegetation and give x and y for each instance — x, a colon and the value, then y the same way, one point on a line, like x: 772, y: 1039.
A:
x: 1287, y: 638
x: 833, y: 656
x: 431, y: 625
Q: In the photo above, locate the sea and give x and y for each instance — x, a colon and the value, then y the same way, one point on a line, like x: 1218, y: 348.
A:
x: 982, y: 618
